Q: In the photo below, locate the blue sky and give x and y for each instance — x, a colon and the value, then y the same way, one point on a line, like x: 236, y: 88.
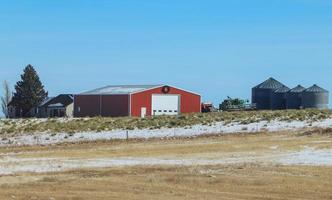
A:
x: 214, y: 47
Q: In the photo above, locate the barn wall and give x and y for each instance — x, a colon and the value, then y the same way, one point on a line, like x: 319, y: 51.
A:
x: 86, y: 105
x: 101, y: 105
x: 189, y: 102
x: 115, y: 105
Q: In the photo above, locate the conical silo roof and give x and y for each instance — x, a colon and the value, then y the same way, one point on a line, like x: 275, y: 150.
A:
x: 270, y: 83
x: 297, y: 89
x: 283, y: 89
x: 316, y: 89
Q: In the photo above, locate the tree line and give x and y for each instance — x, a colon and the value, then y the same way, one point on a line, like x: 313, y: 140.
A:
x: 29, y: 93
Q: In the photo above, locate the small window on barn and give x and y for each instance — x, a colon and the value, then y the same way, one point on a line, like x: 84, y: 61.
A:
x: 165, y: 110
x: 170, y: 111
x: 175, y: 111
x: 159, y: 110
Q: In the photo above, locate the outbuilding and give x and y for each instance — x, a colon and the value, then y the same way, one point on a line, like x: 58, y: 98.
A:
x: 59, y: 106
x: 315, y: 97
x: 294, y: 97
x: 136, y: 101
x: 262, y: 94
x: 50, y: 107
x: 278, y: 98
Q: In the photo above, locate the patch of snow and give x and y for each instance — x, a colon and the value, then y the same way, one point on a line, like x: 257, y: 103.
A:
x: 13, y: 165
x: 308, y: 156
x: 196, y: 130
x: 41, y: 165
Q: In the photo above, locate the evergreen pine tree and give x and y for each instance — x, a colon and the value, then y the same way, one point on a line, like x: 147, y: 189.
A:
x: 29, y: 91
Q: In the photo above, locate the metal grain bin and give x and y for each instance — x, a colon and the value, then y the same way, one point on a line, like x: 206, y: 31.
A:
x: 261, y: 94
x: 294, y: 97
x: 315, y: 97
x: 278, y: 98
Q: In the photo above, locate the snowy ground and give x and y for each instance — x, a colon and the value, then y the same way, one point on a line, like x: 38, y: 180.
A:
x: 308, y: 156
x: 217, y: 128
x: 269, y: 150
x: 13, y: 165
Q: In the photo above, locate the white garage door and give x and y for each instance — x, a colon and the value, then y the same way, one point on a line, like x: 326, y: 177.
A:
x: 165, y: 104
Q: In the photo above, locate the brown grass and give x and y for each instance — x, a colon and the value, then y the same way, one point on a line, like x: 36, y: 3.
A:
x: 236, y: 181
x: 214, y: 182
x: 100, y: 124
x: 180, y: 147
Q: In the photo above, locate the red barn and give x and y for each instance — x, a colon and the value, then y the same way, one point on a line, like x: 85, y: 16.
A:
x: 136, y: 101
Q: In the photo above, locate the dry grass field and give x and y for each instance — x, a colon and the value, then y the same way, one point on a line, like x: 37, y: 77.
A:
x: 205, y: 182
x: 239, y: 166
x: 100, y: 124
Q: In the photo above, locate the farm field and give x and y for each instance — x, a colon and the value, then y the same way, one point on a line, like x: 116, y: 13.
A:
x: 21, y: 132
x: 281, y: 165
x: 101, y: 124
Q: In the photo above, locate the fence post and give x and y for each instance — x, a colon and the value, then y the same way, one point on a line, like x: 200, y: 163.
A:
x: 257, y: 127
x: 127, y: 135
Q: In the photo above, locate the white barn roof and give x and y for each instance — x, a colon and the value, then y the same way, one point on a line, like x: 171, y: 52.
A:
x: 120, y: 89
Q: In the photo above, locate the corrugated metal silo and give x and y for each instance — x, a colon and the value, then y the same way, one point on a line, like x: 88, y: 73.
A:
x: 261, y: 94
x: 315, y: 97
x: 278, y: 98
x: 294, y: 97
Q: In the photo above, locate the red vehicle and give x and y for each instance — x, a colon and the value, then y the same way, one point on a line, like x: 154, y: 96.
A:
x: 207, y: 107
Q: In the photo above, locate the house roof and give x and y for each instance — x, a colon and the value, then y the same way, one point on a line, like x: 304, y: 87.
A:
x: 63, y: 99
x: 270, y: 83
x: 46, y: 101
x: 56, y: 105
x: 120, y: 89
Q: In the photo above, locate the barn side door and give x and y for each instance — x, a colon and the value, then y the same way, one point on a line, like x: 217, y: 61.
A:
x: 143, y: 112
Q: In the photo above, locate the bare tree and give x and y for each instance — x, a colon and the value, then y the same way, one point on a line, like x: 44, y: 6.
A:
x: 7, y: 97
